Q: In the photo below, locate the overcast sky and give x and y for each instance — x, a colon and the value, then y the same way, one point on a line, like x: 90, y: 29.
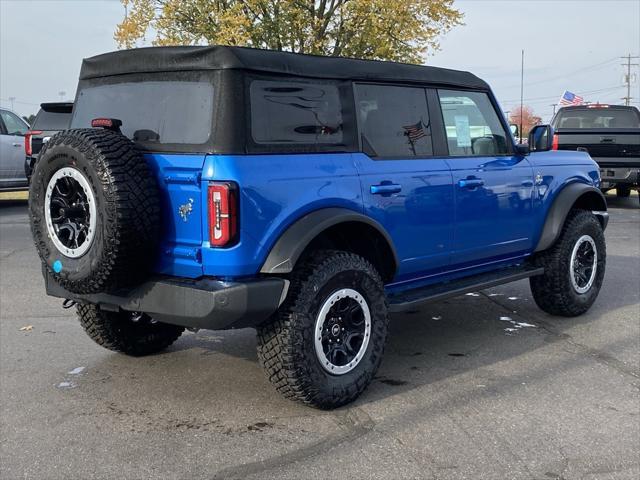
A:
x: 573, y: 45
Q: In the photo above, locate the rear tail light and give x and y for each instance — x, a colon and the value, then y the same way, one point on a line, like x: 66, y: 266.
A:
x: 554, y: 145
x: 27, y: 141
x: 223, y: 214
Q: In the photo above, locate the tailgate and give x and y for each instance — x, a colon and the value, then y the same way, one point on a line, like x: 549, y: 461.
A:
x: 181, y: 212
x: 602, y: 142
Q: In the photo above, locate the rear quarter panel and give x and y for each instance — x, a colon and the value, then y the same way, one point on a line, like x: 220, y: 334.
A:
x: 275, y: 191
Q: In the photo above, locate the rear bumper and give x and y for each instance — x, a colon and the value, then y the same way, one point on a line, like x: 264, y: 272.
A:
x: 613, y: 175
x: 206, y: 303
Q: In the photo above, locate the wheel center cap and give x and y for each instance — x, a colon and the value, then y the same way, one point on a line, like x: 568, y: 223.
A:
x: 335, y: 330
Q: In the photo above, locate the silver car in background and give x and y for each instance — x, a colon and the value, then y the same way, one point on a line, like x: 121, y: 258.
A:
x: 12, y: 132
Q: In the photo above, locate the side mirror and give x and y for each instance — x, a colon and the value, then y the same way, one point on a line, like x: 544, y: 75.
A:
x: 541, y: 138
x: 514, y: 130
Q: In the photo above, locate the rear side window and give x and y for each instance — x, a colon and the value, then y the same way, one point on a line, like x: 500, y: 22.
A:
x: 153, y: 112
x: 394, y: 121
x: 285, y: 112
x: 47, y: 120
x: 597, y: 118
x: 472, y: 125
x: 13, y: 124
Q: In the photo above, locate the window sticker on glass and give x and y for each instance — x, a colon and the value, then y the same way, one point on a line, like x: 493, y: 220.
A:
x: 463, y: 132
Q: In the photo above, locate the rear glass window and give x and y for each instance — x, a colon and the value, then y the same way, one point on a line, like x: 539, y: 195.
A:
x: 170, y: 112
x: 51, y: 121
x: 597, y: 118
x: 286, y: 112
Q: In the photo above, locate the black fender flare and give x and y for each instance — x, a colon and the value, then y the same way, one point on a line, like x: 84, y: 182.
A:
x: 561, y: 206
x: 287, y: 250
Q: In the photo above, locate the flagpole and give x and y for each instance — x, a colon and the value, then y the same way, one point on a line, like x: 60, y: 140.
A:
x: 521, y: 92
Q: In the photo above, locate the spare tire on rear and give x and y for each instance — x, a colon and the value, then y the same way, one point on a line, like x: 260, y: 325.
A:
x: 94, y: 207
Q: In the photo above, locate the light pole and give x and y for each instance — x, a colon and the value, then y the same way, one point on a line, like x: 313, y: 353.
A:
x: 521, y: 92
x: 11, y: 99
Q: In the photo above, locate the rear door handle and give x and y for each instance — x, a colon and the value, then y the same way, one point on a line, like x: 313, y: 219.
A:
x: 470, y: 183
x: 386, y: 189
x: 16, y: 144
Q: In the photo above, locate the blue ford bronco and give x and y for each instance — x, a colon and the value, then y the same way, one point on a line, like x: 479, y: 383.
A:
x: 307, y: 197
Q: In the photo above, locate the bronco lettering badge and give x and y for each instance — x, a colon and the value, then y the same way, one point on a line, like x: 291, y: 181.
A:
x: 185, y: 210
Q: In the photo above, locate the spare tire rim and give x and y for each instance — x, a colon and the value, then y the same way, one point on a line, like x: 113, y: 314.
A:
x: 342, y: 331
x: 584, y: 264
x: 70, y: 212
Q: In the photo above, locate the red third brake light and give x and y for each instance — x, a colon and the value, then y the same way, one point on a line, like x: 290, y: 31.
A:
x: 27, y: 140
x: 223, y: 214
x: 108, y: 123
x: 102, y: 122
x: 554, y: 145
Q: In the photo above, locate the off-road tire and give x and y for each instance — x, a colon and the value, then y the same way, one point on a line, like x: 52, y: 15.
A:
x: 127, y: 202
x: 286, y: 342
x: 623, y: 191
x: 118, y: 332
x: 553, y: 291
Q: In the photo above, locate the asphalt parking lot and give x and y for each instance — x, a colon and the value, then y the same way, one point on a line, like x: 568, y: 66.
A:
x: 481, y: 386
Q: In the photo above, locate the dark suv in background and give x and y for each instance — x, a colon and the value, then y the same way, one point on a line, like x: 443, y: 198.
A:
x: 51, y: 119
x: 610, y: 134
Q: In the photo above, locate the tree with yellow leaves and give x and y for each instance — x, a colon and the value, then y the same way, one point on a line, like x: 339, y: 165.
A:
x: 398, y: 30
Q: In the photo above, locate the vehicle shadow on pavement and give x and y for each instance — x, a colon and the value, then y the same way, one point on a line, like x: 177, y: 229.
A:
x: 14, y: 206
x: 469, y: 336
x: 628, y: 203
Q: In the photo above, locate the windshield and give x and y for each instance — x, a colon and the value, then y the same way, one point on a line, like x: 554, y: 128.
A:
x: 598, y: 118
x: 152, y: 112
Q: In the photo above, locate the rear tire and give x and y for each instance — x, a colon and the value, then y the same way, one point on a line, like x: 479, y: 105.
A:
x: 325, y: 343
x: 127, y: 332
x: 569, y: 288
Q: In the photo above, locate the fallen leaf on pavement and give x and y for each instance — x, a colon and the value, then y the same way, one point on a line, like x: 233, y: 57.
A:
x: 26, y: 328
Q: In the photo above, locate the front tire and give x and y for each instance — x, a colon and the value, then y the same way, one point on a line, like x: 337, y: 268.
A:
x: 131, y: 333
x: 325, y: 343
x: 573, y: 267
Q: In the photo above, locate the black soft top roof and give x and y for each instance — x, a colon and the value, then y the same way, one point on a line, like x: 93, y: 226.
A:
x: 188, y: 58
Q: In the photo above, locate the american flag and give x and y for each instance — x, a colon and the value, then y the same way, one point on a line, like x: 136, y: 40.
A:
x: 569, y: 98
x: 414, y: 132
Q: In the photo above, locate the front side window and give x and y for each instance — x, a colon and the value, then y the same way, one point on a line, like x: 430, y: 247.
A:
x: 472, y: 125
x: 152, y: 112
x: 394, y: 121
x: 13, y: 124
x: 286, y: 112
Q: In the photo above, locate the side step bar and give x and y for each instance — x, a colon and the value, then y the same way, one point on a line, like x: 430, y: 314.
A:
x: 420, y: 296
